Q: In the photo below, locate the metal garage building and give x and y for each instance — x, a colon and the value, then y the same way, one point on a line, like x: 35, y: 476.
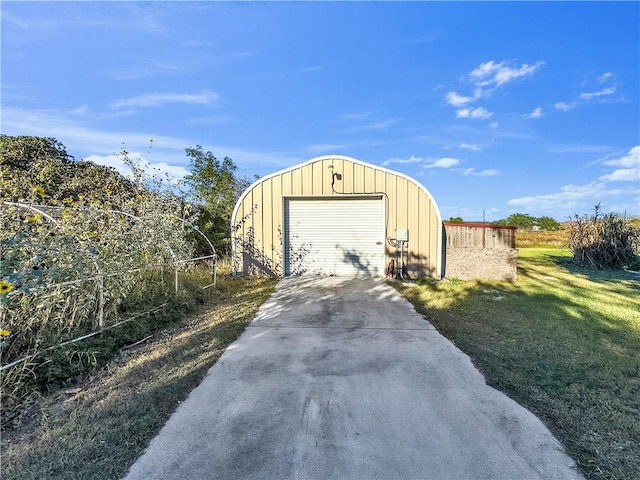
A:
x: 336, y: 215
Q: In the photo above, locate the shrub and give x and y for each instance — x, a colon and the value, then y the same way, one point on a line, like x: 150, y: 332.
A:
x: 603, y: 240
x: 79, y: 265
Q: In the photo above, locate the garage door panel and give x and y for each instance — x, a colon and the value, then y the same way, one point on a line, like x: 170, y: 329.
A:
x: 334, y: 236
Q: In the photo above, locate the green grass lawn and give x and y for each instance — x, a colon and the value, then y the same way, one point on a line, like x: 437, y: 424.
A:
x: 561, y: 340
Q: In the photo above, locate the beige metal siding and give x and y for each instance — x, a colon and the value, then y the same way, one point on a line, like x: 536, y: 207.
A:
x: 258, y: 225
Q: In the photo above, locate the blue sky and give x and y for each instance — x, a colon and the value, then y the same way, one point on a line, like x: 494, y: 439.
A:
x: 498, y: 107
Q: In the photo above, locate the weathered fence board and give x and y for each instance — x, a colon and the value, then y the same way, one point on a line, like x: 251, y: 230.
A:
x: 486, y: 236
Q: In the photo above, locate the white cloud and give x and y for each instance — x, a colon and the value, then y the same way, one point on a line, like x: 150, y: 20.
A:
x: 497, y: 74
x: 205, y: 97
x: 565, y: 107
x: 605, y: 77
x: 485, y: 69
x: 631, y: 167
x: 481, y: 173
x: 537, y: 113
x: 568, y: 196
x: 444, y: 162
x: 411, y: 159
x: 487, y: 77
x: 145, y: 71
x: 631, y: 159
x: 603, y: 92
x: 356, y: 116
x: 622, y: 175
x: 174, y: 172
x: 598, y: 191
x: 479, y: 112
x: 457, y: 100
x: 428, y: 162
x: 468, y: 146
x: 316, y: 68
x: 82, y: 140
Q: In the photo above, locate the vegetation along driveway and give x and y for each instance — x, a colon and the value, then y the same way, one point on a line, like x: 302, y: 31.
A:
x: 341, y: 378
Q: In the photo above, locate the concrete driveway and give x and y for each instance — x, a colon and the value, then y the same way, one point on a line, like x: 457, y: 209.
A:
x: 340, y: 378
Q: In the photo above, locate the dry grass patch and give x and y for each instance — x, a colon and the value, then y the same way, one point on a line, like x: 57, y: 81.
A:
x: 96, y: 429
x: 542, y: 239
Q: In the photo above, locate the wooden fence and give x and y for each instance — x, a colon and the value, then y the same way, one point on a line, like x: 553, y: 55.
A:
x: 481, y: 235
x: 480, y: 251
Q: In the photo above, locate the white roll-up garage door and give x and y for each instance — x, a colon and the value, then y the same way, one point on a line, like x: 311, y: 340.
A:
x: 334, y: 236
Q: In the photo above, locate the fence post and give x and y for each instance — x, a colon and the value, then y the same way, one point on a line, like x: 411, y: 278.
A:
x: 101, y: 302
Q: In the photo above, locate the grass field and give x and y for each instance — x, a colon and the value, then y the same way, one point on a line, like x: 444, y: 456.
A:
x: 543, y: 239
x: 561, y: 340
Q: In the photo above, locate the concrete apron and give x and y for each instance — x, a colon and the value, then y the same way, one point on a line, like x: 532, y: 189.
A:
x: 340, y: 378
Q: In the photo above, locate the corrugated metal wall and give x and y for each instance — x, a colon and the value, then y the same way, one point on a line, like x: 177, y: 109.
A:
x: 257, y: 222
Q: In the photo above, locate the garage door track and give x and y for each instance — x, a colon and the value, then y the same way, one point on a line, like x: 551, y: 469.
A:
x: 340, y: 378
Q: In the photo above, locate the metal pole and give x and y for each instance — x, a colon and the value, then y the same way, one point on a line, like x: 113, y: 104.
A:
x: 101, y: 304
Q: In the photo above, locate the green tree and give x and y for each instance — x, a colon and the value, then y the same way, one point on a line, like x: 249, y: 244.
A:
x: 27, y: 162
x: 22, y: 152
x: 455, y: 220
x: 521, y: 220
x: 547, y: 223
x: 214, y: 187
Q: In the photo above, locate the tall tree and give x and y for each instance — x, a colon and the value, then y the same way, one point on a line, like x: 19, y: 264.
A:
x: 21, y: 152
x: 214, y: 186
x: 547, y: 223
x: 521, y: 220
x: 28, y: 163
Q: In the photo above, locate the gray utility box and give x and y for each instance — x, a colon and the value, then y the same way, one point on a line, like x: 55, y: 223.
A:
x: 402, y: 234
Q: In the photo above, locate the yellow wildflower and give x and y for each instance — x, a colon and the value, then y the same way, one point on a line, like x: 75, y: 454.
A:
x: 66, y: 213
x: 144, y: 253
x: 38, y: 189
x: 33, y: 218
x: 5, y: 287
x: 4, y: 333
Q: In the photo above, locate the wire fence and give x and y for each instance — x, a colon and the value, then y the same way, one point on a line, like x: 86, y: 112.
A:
x: 67, y: 271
